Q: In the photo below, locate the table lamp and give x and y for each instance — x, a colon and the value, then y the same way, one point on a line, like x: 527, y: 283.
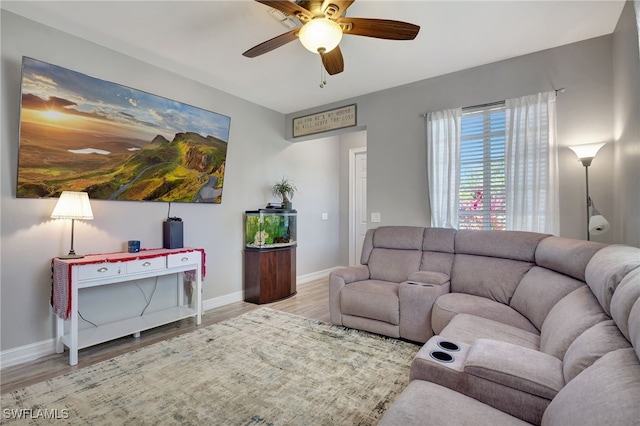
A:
x: 72, y: 205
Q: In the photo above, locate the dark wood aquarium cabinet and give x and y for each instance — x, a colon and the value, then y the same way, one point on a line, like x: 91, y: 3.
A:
x: 269, y: 255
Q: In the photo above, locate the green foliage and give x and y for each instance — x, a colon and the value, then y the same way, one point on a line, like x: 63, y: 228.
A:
x: 252, y: 227
x: 284, y: 189
x: 162, y: 170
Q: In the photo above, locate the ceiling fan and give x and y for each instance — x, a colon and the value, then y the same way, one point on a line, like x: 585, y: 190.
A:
x: 324, y: 24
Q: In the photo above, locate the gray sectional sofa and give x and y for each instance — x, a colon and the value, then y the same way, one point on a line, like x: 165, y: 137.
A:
x: 518, y: 327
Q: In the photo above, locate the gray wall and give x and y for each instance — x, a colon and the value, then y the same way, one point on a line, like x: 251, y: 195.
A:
x: 258, y: 155
x: 396, y: 132
x: 626, y: 127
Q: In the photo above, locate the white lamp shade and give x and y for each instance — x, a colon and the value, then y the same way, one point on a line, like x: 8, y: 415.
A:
x: 598, y: 225
x: 73, y: 205
x: 586, y: 151
x: 320, y: 34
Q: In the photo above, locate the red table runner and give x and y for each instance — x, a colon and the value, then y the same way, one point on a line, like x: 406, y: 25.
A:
x: 61, y: 268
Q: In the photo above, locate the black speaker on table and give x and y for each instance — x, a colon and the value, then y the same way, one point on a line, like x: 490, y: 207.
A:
x: 172, y: 233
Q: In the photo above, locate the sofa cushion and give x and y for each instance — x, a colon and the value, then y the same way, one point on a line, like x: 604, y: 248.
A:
x: 391, y: 237
x: 604, y: 394
x: 515, y: 245
x: 490, y: 277
x: 437, y: 262
x: 627, y: 293
x: 393, y: 265
x: 426, y: 403
x: 371, y: 299
x: 367, y: 247
x: 565, y: 255
x: 590, y: 346
x: 439, y: 239
x: 449, y: 305
x: 399, y: 237
x: 607, y: 268
x: 570, y: 317
x: 539, y: 290
x: 467, y: 329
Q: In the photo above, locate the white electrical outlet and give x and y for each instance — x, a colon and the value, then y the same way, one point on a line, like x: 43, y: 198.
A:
x: 375, y: 217
x: 325, y: 216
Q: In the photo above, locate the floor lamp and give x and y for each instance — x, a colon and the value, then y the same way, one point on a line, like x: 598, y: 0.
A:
x: 72, y: 205
x: 596, y: 223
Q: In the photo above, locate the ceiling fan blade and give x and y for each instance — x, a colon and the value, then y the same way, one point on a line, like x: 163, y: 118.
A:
x: 274, y: 43
x: 290, y: 8
x: 333, y: 61
x: 379, y: 28
x: 338, y: 7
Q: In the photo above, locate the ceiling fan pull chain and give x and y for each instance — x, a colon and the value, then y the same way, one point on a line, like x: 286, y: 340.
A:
x: 323, y: 75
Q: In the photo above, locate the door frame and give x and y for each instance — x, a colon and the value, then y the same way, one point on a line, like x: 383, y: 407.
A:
x: 353, y: 152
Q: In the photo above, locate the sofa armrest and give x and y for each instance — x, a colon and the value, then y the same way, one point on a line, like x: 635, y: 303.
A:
x: 351, y: 274
x: 428, y: 277
x: 516, y: 367
x: 416, y: 303
x: 517, y: 380
x: 337, y: 280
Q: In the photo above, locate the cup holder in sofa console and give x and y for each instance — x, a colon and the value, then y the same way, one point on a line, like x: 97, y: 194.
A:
x: 441, y: 356
x: 449, y: 346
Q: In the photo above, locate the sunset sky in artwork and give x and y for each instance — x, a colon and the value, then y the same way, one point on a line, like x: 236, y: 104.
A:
x: 67, y: 99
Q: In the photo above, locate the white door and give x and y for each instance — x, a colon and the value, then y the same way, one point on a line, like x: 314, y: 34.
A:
x: 358, y: 203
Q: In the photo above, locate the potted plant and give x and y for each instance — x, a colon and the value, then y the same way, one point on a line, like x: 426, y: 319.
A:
x: 284, y: 189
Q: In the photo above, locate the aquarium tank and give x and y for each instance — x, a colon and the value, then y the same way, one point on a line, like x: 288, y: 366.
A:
x: 269, y: 228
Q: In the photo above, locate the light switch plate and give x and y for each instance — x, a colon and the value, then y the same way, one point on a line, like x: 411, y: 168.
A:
x: 375, y: 217
x: 325, y: 216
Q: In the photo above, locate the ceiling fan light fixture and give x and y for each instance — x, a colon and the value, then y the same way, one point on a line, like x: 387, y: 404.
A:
x: 320, y: 35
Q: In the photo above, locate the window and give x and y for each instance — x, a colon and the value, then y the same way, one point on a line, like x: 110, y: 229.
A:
x: 482, y: 190
x: 495, y: 166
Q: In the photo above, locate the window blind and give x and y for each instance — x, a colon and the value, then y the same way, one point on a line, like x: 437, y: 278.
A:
x: 482, y: 168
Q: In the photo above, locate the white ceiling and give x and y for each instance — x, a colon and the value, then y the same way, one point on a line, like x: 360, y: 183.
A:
x: 204, y: 41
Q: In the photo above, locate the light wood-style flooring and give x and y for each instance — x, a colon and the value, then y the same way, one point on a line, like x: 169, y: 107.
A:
x: 311, y: 301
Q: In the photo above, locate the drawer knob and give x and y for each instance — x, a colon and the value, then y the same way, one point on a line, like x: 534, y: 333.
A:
x: 103, y: 269
x: 184, y: 259
x: 146, y: 264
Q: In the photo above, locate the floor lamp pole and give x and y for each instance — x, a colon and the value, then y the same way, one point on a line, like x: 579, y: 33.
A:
x: 586, y: 163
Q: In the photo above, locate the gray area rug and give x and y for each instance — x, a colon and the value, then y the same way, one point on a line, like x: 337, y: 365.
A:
x: 265, y: 367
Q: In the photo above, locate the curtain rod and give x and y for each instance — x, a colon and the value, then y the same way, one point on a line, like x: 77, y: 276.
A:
x: 560, y: 90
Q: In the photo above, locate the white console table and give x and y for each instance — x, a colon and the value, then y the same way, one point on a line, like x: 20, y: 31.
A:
x: 71, y: 275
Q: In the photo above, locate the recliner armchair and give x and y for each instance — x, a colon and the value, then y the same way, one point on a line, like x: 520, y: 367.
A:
x: 403, y: 270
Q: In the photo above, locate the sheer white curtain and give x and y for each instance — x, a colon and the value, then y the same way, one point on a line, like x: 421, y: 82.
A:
x: 443, y: 162
x: 531, y: 164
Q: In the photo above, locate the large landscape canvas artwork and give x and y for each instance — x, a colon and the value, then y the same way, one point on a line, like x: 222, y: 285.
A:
x: 80, y: 133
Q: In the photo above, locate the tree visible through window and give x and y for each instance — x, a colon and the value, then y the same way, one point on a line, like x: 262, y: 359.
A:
x: 482, y: 168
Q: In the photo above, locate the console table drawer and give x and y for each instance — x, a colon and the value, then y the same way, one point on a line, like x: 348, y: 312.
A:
x: 99, y: 270
x: 145, y: 265
x: 180, y: 259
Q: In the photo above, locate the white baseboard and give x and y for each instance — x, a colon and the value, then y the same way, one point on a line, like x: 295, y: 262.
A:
x: 219, y: 301
x: 238, y: 296
x: 27, y: 353
x: 301, y: 279
x: 33, y: 351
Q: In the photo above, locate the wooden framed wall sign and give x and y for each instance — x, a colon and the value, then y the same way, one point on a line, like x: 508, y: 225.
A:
x: 319, y: 122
